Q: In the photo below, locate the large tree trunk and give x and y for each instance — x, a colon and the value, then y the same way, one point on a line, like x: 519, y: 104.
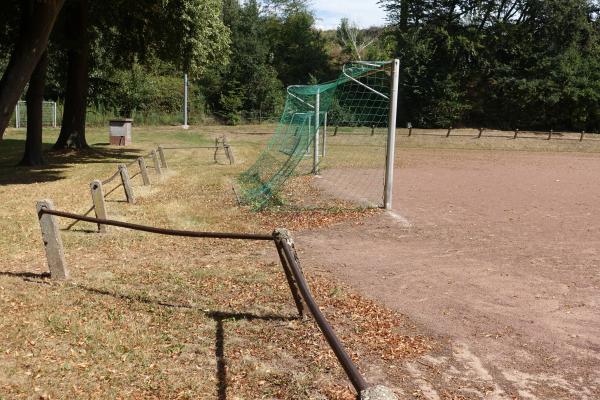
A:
x: 35, y: 97
x: 72, y: 132
x: 32, y: 43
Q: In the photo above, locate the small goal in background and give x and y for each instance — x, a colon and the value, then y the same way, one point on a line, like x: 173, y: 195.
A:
x: 49, y: 114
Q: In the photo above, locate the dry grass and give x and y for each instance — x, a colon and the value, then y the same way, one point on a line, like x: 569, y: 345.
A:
x: 153, y: 317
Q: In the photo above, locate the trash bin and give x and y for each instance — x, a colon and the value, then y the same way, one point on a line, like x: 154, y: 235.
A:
x: 120, y: 131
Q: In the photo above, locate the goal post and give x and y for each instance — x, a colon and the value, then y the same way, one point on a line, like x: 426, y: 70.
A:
x: 391, y: 138
x: 49, y: 114
x: 357, y: 156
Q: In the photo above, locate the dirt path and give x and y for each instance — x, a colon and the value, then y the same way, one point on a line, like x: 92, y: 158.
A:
x: 502, y: 257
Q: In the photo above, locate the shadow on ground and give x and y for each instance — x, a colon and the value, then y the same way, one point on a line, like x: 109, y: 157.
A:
x: 11, y: 152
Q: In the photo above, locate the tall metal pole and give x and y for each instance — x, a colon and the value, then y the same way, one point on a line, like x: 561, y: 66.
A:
x: 391, y: 139
x: 54, y: 114
x: 315, y: 170
x: 17, y: 116
x: 185, y: 102
x: 324, y: 135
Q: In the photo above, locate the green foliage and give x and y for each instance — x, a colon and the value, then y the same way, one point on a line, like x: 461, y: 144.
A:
x: 270, y: 49
x: 527, y: 64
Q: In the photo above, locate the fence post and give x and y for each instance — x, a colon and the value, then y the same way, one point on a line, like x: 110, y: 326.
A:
x: 144, y: 171
x: 372, y: 130
x: 335, y: 131
x: 126, y: 183
x: 516, y: 133
x: 279, y: 235
x: 55, y: 254
x: 156, y: 163
x: 480, y: 133
x: 163, y: 160
x: 98, y: 202
x: 581, y: 137
x: 550, y: 134
x: 228, y: 151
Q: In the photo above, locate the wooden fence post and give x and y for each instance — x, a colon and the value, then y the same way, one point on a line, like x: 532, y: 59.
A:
x: 163, y: 160
x: 228, y: 151
x: 55, y: 254
x: 98, y: 202
x: 126, y: 183
x: 156, y: 163
x: 144, y: 171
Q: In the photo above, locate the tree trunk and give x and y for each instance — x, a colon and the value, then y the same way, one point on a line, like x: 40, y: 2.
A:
x: 31, y: 44
x: 72, y: 132
x: 35, y: 97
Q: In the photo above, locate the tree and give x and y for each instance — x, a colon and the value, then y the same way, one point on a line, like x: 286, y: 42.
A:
x: 37, y: 22
x: 35, y: 96
x: 72, y: 132
x: 188, y: 33
x: 353, y: 40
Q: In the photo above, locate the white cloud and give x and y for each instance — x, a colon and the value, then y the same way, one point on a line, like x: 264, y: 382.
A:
x: 365, y: 13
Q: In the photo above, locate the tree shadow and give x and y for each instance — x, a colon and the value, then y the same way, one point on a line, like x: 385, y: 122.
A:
x: 220, y: 317
x: 58, y: 162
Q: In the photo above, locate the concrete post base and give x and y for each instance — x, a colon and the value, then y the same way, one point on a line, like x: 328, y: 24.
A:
x: 378, y: 393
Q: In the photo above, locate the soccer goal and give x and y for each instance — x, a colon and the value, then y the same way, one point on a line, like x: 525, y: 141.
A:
x: 343, y: 131
x: 49, y: 114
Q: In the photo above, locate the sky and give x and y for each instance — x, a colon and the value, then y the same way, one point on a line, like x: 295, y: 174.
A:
x: 364, y: 13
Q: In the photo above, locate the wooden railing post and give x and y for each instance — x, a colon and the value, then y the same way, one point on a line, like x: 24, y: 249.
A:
x: 228, y: 151
x: 55, y: 254
x: 157, y: 167
x: 144, y: 171
x: 126, y: 183
x: 98, y: 202
x: 163, y: 160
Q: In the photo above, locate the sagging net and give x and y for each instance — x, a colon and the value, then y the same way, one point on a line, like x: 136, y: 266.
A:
x: 354, y: 108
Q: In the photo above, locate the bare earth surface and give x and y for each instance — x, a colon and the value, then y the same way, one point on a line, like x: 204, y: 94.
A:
x: 500, y: 259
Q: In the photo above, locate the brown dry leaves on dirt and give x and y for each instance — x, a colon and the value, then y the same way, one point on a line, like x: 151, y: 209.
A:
x: 155, y: 317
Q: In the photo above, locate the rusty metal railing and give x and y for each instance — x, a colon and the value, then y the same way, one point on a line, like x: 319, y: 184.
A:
x: 284, y: 244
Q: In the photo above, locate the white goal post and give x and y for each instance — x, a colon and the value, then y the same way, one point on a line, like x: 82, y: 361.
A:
x: 49, y: 114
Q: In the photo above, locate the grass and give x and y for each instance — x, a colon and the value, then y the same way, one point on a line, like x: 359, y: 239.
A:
x: 155, y: 317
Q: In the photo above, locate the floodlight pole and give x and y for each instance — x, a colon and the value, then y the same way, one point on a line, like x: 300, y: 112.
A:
x: 185, y: 102
x: 315, y: 170
x: 54, y: 114
x: 17, y: 116
x: 391, y: 139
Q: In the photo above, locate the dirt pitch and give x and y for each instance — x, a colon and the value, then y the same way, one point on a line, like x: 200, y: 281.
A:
x: 500, y: 258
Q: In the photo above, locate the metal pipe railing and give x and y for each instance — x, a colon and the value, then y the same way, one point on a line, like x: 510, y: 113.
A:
x: 160, y: 231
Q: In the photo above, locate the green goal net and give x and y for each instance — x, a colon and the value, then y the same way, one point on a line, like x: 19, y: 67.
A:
x: 357, y: 103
